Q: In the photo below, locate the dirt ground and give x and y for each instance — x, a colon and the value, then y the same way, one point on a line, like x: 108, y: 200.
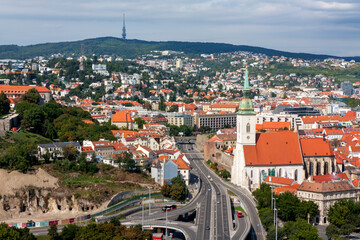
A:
x: 10, y: 181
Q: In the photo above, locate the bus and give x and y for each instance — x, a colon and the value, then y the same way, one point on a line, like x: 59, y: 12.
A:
x: 168, y: 208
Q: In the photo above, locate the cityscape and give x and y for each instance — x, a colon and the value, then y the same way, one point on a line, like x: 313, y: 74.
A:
x: 121, y: 138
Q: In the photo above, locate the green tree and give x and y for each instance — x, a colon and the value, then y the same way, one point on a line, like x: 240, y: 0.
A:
x: 263, y: 196
x: 267, y: 217
x: 21, y: 107
x: 300, y: 230
x: 174, y: 108
x: 287, y: 203
x: 139, y: 122
x: 70, y: 152
x: 178, y: 192
x: 347, y: 228
x: 162, y: 105
x: 332, y: 231
x: 339, y: 213
x: 165, y: 190
x: 33, y: 120
x: 306, y: 207
x: 52, y: 233
x: 31, y: 96
x: 4, y: 104
x: 69, y: 232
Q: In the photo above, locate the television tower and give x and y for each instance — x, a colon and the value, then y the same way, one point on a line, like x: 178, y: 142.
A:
x: 124, y: 28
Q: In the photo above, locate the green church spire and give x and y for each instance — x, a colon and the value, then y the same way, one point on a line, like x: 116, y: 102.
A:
x: 246, y: 106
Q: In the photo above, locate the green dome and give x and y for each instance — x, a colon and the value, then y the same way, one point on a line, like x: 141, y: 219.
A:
x: 246, y: 106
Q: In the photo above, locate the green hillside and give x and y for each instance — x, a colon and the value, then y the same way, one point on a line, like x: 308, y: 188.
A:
x: 133, y: 48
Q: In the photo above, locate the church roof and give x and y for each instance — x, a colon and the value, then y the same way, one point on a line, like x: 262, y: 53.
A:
x: 315, y: 147
x: 274, y: 148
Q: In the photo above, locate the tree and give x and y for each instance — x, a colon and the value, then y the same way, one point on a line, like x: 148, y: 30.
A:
x: 52, y: 233
x: 263, y: 196
x: 288, y: 204
x: 139, y: 122
x: 346, y: 229
x: 12, y: 233
x: 162, y: 105
x: 166, y: 189
x: 178, y: 192
x: 70, y: 152
x: 33, y: 119
x: 306, y: 207
x: 332, y: 231
x: 174, y: 108
x: 4, y: 104
x: 31, y: 96
x: 339, y: 213
x: 300, y: 230
x: 69, y: 232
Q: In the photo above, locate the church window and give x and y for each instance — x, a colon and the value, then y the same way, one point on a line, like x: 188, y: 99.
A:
x: 248, y: 128
x: 296, y: 175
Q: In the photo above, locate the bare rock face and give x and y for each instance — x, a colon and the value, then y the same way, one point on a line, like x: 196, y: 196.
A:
x: 38, y: 202
x: 28, y: 196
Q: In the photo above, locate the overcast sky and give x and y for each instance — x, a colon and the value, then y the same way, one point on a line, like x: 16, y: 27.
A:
x: 326, y: 26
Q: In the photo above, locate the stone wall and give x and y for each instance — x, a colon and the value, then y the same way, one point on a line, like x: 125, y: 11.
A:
x: 8, y: 122
x: 212, y: 151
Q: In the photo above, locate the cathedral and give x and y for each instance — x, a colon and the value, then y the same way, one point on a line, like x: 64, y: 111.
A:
x: 275, y: 153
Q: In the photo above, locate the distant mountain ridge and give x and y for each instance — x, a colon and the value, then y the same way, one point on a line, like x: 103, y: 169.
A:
x: 133, y: 47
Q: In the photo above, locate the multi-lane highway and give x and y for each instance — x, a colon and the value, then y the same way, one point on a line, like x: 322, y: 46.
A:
x: 245, y: 197
x: 214, y: 217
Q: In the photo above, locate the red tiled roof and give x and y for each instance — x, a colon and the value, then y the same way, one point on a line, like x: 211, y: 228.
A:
x: 274, y: 148
x: 315, y: 147
x: 292, y: 189
x: 356, y: 182
x: 279, y: 180
x: 87, y: 149
x: 325, y: 186
x: 329, y: 177
x: 122, y: 116
x: 223, y: 106
x: 273, y: 125
x: 22, y: 89
x: 181, y: 164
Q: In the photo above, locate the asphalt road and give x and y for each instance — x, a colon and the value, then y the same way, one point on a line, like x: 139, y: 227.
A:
x: 244, y: 195
x: 218, y: 214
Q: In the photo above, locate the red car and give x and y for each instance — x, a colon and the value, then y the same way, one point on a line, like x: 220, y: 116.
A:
x: 240, y: 214
x: 168, y: 208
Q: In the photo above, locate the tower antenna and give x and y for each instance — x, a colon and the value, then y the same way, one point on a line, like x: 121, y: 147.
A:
x: 124, y: 28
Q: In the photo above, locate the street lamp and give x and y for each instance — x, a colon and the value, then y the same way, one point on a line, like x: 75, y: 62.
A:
x: 275, y: 223
x: 149, y: 201
x: 166, y: 231
x: 274, y: 211
x: 142, y: 214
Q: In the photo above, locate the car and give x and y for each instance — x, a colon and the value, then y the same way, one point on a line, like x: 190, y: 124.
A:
x: 209, y: 189
x: 240, y: 214
x: 218, y: 193
x: 207, y: 228
x: 218, y: 202
x: 208, y: 176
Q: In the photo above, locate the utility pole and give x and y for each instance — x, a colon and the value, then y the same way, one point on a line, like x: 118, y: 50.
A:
x: 166, y: 232
x: 149, y: 201
x: 274, y: 211
x: 275, y: 224
x: 142, y: 214
x: 271, y: 197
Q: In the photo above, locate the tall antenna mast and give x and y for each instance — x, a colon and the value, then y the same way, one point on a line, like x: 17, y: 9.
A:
x: 124, y: 28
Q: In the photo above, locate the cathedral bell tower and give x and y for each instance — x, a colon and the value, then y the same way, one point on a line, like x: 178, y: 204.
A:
x: 246, y: 135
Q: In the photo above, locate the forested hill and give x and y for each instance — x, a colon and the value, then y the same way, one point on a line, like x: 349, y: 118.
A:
x: 133, y: 48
